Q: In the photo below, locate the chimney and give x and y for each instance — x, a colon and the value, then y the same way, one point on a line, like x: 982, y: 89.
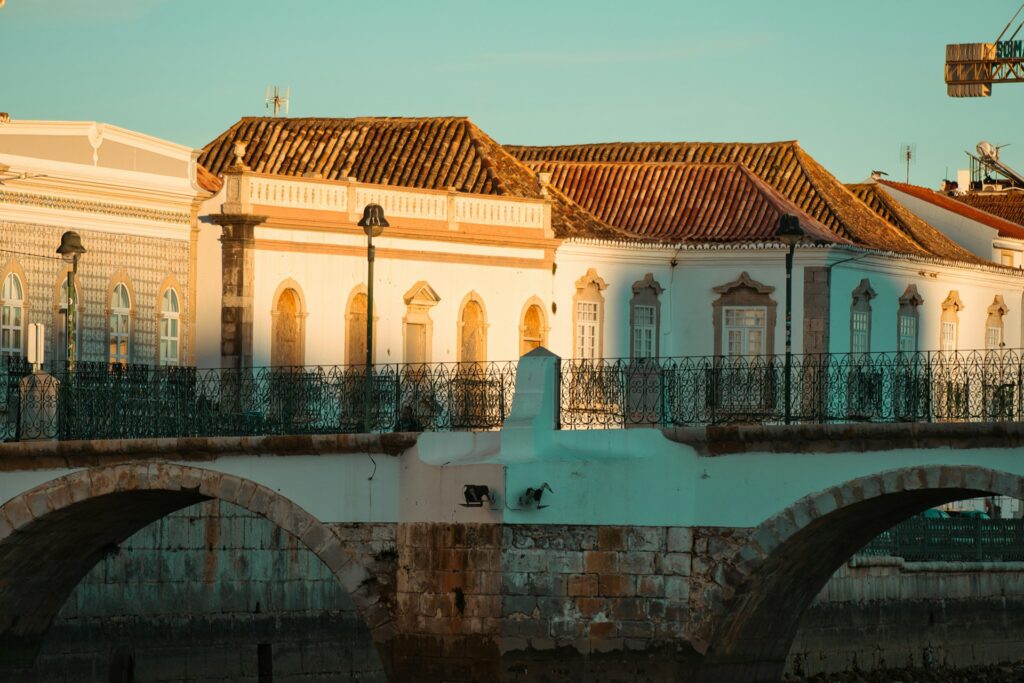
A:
x: 963, y: 180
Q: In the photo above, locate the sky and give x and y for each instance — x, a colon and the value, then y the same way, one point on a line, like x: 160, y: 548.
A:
x: 852, y: 81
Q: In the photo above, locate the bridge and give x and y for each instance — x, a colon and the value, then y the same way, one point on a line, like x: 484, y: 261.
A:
x: 683, y: 548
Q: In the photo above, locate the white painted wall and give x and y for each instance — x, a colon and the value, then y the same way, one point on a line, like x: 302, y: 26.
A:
x: 973, y: 236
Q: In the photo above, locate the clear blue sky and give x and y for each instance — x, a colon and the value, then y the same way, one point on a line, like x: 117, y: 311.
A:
x: 850, y: 80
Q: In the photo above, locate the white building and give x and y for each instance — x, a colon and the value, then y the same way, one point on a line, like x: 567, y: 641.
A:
x: 617, y: 250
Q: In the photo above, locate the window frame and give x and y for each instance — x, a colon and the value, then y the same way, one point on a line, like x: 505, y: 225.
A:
x: 744, y: 330
x: 169, y: 319
x: 123, y: 331
x: 12, y: 317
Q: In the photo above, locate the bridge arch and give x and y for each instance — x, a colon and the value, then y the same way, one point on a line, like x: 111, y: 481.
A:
x: 53, y: 534
x: 766, y: 585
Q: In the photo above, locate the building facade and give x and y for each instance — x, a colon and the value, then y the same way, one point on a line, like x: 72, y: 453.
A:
x: 134, y: 201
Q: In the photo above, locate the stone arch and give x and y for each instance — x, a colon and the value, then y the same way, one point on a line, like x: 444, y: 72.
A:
x: 288, y: 325
x: 472, y: 329
x: 759, y: 592
x: 533, y: 326
x: 102, y: 506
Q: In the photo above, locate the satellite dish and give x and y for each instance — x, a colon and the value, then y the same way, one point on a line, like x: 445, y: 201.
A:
x: 986, y: 150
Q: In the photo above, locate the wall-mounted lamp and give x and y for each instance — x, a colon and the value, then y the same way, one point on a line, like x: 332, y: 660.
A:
x: 476, y: 495
x: 532, y: 496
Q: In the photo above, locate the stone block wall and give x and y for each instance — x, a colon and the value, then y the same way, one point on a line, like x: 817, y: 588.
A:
x: 880, y: 612
x: 479, y: 602
x: 192, y: 596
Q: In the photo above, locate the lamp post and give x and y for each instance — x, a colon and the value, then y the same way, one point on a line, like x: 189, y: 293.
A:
x: 789, y: 233
x: 70, y: 249
x: 373, y: 224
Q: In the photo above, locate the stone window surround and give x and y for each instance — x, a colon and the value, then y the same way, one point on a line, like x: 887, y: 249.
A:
x: 910, y: 302
x: 862, y: 296
x: 14, y: 268
x: 120, y: 278
x: 646, y: 292
x: 996, y: 310
x: 474, y: 297
x: 744, y: 291
x: 349, y: 314
x: 588, y: 289
x: 545, y: 328
x: 170, y: 282
x: 420, y: 298
x: 300, y: 317
x: 951, y: 307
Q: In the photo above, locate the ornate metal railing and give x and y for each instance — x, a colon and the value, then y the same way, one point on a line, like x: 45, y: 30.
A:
x: 956, y: 539
x: 98, y: 401
x: 977, y: 386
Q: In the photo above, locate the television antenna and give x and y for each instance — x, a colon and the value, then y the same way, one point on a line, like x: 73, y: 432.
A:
x: 908, y: 156
x: 277, y: 100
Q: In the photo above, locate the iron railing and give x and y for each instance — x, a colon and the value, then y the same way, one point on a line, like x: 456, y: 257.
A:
x: 956, y: 539
x: 712, y: 390
x: 99, y: 401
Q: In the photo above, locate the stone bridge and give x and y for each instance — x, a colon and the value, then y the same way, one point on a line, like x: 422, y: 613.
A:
x: 652, y: 555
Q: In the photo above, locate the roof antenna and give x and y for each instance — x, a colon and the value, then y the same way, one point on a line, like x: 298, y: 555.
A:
x: 908, y: 156
x: 277, y: 100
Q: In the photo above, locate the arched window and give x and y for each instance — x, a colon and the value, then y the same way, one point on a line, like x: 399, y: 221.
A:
x: 120, y: 325
x: 355, y: 328
x: 472, y: 331
x: 169, y: 329
x: 645, y: 318
x: 949, y: 331
x: 287, y: 346
x: 588, y: 316
x: 860, y: 318
x: 533, y: 328
x: 994, y: 323
x: 907, y: 320
x: 12, y: 316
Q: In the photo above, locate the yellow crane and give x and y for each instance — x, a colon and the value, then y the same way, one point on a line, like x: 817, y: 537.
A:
x: 972, y: 68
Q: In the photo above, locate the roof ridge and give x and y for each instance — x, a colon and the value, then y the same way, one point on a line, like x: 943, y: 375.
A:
x: 657, y: 142
x: 624, y: 164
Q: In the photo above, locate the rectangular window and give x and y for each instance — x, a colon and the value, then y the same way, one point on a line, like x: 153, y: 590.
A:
x: 907, y: 341
x: 744, y: 331
x: 1006, y: 258
x: 644, y: 330
x: 860, y: 332
x: 119, y: 338
x: 168, y: 341
x: 948, y: 341
x: 993, y: 337
x: 586, y: 329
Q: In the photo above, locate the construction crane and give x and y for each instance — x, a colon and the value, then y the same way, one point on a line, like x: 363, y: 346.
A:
x: 972, y: 68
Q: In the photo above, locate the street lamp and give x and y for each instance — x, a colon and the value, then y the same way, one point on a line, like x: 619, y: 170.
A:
x: 373, y: 224
x: 789, y: 233
x: 70, y: 249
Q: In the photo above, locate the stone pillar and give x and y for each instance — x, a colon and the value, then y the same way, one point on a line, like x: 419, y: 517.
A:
x: 238, y: 266
x: 817, y: 283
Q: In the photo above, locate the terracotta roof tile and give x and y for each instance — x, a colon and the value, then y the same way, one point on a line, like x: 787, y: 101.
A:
x: 896, y: 214
x: 207, y: 180
x: 434, y: 153
x: 1004, y: 227
x: 782, y: 165
x: 1006, y: 205
x: 430, y: 153
x: 677, y: 202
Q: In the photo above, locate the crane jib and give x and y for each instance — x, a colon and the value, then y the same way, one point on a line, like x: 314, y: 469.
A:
x: 1010, y: 49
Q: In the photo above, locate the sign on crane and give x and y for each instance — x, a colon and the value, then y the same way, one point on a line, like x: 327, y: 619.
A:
x: 972, y: 68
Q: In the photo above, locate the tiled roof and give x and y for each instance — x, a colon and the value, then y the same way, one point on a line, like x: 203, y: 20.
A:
x: 431, y: 153
x: 1007, y: 205
x: 434, y: 153
x: 679, y: 202
x: 207, y: 180
x: 782, y: 165
x: 1004, y: 227
x: 879, y: 201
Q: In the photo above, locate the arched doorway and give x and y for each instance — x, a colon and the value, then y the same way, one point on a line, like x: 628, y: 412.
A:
x: 472, y: 331
x: 533, y: 328
x: 287, y: 346
x: 47, y: 549
x: 773, y: 577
